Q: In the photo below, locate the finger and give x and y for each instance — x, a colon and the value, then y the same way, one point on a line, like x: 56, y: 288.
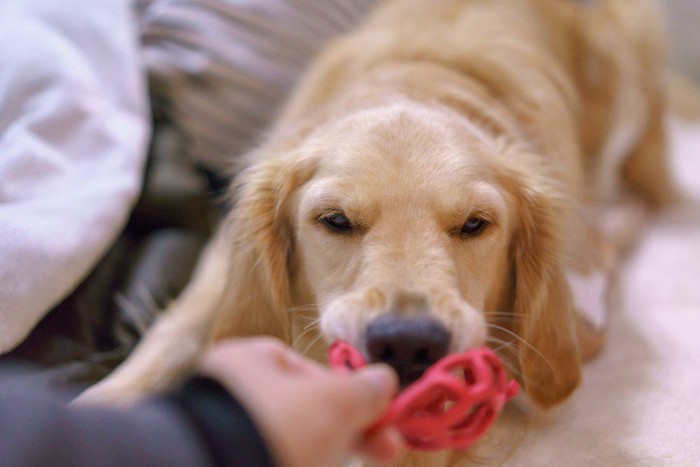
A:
x: 299, y: 365
x: 286, y: 358
x: 235, y: 351
x: 383, y: 446
x: 363, y: 396
x: 259, y: 352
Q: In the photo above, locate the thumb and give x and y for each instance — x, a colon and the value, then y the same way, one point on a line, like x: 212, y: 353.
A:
x: 364, y: 395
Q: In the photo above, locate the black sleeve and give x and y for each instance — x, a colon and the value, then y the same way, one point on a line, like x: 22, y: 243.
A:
x: 199, y: 425
x: 37, y: 429
x: 224, y: 426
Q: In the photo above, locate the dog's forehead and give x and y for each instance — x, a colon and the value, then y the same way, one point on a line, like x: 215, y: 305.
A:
x: 401, y: 141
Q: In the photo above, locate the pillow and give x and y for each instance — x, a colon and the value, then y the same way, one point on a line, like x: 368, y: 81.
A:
x: 74, y: 127
x: 220, y: 69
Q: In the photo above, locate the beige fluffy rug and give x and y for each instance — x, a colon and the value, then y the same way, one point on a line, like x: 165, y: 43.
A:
x: 639, y: 404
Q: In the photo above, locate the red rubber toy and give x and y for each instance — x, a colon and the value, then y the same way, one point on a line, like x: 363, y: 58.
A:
x: 450, y: 406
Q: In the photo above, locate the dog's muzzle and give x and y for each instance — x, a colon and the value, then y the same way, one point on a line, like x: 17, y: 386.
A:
x: 409, y: 345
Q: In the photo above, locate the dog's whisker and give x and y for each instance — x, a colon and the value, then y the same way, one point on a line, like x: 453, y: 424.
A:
x: 508, y: 345
x: 314, y: 322
x: 505, y: 361
x: 530, y: 346
x: 307, y: 329
x: 302, y: 308
x: 301, y: 335
x: 516, y: 372
x: 496, y: 340
x: 312, y: 343
x: 504, y: 345
x: 307, y: 321
x: 310, y: 306
x: 304, y: 320
x: 507, y: 314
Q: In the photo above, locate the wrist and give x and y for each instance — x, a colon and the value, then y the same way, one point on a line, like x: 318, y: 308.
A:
x: 224, y: 426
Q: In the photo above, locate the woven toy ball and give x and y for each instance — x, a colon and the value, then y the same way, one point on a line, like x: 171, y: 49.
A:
x: 450, y: 406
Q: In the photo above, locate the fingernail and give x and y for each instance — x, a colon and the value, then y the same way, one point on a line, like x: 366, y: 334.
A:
x: 381, y: 378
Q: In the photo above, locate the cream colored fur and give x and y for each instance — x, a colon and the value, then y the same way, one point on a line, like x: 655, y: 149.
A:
x: 543, y: 117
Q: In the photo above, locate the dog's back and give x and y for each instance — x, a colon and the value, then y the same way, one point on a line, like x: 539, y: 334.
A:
x: 584, y: 79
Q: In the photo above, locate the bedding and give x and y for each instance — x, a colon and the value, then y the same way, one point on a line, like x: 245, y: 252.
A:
x: 204, y: 56
x: 638, y: 404
x: 74, y: 128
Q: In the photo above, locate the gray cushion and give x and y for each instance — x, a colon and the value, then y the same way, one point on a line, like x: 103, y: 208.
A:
x: 220, y: 69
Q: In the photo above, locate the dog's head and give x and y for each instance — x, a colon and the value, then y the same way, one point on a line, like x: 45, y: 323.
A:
x: 414, y: 235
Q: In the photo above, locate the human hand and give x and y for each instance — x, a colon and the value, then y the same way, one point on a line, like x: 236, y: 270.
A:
x: 307, y: 414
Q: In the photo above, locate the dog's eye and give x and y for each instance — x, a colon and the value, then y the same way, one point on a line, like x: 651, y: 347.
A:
x: 473, y: 227
x: 337, y: 222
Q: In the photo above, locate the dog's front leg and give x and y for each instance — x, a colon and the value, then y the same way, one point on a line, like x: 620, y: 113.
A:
x: 418, y: 459
x: 170, y: 349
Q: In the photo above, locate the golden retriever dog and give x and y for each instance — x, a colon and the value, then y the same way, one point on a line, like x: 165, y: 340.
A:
x: 452, y: 174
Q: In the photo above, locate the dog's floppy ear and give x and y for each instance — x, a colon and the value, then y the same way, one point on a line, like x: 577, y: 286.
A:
x: 548, y: 357
x: 260, y: 238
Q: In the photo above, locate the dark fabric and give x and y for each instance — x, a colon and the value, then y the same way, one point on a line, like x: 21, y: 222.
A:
x: 201, y: 424
x: 37, y: 430
x: 224, y: 425
x: 83, y: 338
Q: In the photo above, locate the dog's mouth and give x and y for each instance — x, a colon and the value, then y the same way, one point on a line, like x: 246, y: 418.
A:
x: 409, y: 339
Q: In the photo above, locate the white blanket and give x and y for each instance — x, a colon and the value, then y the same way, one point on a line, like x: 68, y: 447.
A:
x: 73, y: 136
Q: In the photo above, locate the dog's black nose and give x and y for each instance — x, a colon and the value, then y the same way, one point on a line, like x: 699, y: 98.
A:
x: 409, y: 345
